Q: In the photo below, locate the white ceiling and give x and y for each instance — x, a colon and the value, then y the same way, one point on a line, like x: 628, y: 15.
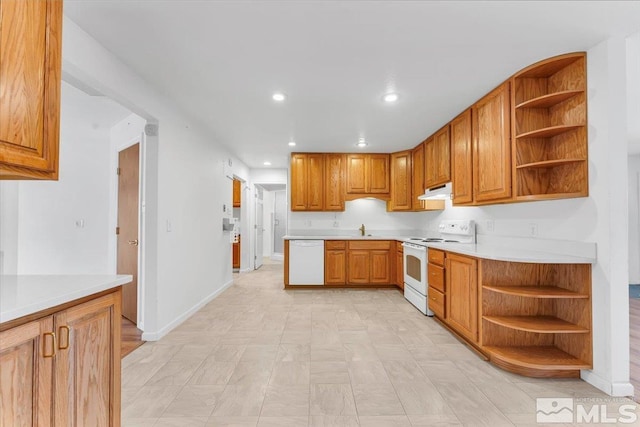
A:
x: 221, y: 61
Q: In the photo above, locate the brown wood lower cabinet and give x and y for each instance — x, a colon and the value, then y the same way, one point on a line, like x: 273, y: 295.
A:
x: 236, y: 254
x: 399, y: 265
x: 528, y: 318
x: 335, y: 262
x: 63, y: 369
x: 368, y: 262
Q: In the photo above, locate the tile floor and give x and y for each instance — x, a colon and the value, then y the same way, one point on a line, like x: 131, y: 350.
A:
x: 261, y: 356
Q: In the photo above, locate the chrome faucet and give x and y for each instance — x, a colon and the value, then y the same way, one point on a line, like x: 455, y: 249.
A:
x: 362, y: 230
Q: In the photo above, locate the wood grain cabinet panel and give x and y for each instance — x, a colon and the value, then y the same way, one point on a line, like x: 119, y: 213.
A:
x: 299, y: 179
x: 380, y: 267
x: 368, y: 174
x: 462, y: 159
x: 335, y: 263
x: 438, y: 159
x: 358, y: 266
x: 237, y: 193
x: 63, y: 369
x: 417, y: 176
x: 492, y: 146
x: 30, y: 73
x: 334, y: 186
x: 26, y: 387
x: 87, y: 391
x: 462, y: 295
x: 369, y: 262
x: 315, y: 182
x: 399, y: 265
x: 307, y: 182
x: 401, y: 194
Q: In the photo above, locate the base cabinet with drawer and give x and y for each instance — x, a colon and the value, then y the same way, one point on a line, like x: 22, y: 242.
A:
x: 437, y: 288
x: 369, y: 262
x: 335, y: 262
x: 63, y: 369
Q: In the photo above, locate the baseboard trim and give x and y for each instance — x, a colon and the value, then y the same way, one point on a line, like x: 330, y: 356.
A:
x: 616, y: 389
x: 155, y: 336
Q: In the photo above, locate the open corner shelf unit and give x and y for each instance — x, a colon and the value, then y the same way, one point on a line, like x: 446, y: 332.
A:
x: 536, y: 318
x: 549, y: 130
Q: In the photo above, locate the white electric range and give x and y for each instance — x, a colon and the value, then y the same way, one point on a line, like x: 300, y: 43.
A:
x: 416, y: 285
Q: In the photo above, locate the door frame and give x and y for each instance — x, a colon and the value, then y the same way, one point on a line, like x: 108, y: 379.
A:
x: 253, y: 213
x: 141, y: 139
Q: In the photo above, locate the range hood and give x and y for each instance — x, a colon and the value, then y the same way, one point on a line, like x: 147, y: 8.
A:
x: 441, y: 192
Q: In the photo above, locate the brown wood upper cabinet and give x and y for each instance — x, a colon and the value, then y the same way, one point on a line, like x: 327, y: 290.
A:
x: 401, y: 194
x: 492, y: 146
x: 437, y: 169
x: 417, y: 169
x: 30, y: 70
x: 317, y: 182
x: 334, y: 188
x: 368, y: 174
x: 462, y: 159
x: 237, y: 193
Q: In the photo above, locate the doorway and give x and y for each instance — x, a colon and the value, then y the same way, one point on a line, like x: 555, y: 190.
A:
x: 237, y: 205
x: 127, y: 231
x: 271, y: 222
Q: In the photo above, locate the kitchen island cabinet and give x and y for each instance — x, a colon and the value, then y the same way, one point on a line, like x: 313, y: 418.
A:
x: 61, y: 365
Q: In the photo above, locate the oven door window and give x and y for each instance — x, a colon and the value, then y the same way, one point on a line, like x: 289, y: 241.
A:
x: 412, y: 267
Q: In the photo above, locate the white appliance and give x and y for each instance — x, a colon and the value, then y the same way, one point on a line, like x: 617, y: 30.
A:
x: 306, y: 262
x: 416, y: 284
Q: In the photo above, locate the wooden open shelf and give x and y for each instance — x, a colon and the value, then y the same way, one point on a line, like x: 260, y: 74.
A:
x: 549, y: 163
x: 542, y: 358
x: 537, y: 324
x: 536, y: 318
x: 549, y: 132
x: 536, y: 291
x: 546, y: 101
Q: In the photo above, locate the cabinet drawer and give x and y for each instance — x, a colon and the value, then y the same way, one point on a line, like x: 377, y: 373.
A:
x: 436, y: 277
x: 436, y: 302
x: 370, y: 244
x: 335, y: 244
x: 436, y: 257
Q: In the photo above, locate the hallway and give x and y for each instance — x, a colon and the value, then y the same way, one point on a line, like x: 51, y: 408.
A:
x: 259, y: 355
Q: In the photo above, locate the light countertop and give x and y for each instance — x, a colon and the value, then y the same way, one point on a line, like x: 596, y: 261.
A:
x: 485, y: 251
x: 23, y: 295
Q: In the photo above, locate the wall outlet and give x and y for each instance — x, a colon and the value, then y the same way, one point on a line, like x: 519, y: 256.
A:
x: 336, y: 224
x: 169, y: 226
x: 490, y: 225
x: 80, y: 223
x: 533, y: 229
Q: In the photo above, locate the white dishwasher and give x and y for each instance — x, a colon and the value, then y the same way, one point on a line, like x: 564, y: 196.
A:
x: 306, y: 262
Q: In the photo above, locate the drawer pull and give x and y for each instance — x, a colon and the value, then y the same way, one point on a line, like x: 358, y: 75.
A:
x: 44, y: 344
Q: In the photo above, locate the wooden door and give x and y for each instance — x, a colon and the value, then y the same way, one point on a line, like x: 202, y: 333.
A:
x: 334, y: 182
x: 128, y: 202
x: 401, y: 182
x: 335, y: 267
x: 462, y: 295
x: 87, y: 374
x: 378, y: 174
x: 380, y: 265
x: 358, y: 270
x: 237, y: 193
x: 315, y: 182
x: 462, y: 159
x: 30, y: 71
x: 299, y: 181
x: 236, y: 254
x: 492, y: 146
x: 429, y: 163
x: 26, y: 381
x: 417, y: 173
x: 442, y: 147
x: 356, y: 173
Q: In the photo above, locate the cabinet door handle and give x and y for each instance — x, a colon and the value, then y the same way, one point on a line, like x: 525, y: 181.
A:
x: 66, y: 340
x: 53, y: 344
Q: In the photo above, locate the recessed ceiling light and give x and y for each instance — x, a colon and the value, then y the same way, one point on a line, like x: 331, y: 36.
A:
x: 267, y: 163
x: 390, y: 97
x: 292, y: 144
x: 361, y: 143
x: 278, y: 97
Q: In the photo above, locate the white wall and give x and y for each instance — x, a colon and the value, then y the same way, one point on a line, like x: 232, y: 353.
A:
x: 185, y: 186
x: 62, y: 227
x: 267, y: 242
x: 370, y: 212
x: 634, y: 219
